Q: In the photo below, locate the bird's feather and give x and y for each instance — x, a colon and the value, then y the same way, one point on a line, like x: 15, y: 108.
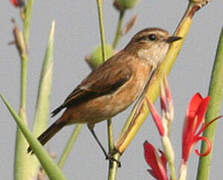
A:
x: 100, y: 82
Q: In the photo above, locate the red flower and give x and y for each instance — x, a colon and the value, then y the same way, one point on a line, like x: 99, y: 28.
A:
x: 195, y: 119
x: 18, y: 3
x: 156, y: 162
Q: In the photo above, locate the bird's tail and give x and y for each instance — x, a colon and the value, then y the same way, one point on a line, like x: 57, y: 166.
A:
x: 49, y: 133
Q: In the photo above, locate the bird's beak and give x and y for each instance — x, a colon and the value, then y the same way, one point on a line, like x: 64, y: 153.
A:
x: 173, y: 38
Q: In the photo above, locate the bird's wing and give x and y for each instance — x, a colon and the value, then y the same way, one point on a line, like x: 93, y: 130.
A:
x: 104, y: 80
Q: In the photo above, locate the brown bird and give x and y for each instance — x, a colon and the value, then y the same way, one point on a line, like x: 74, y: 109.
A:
x: 115, y: 85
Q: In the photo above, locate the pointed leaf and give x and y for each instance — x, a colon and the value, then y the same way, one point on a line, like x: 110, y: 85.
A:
x: 52, y: 170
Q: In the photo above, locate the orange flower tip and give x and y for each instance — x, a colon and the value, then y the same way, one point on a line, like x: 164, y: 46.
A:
x: 18, y: 3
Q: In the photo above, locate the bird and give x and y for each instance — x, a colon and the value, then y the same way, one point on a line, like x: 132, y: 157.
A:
x: 114, y: 85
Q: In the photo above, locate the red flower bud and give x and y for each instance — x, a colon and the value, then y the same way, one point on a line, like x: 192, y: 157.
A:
x: 156, y: 162
x: 18, y: 3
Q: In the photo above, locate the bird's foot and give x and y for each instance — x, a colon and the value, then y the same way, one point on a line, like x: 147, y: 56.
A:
x: 110, y: 157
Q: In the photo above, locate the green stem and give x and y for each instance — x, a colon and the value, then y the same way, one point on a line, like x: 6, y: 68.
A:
x: 23, y: 93
x: 22, y: 160
x: 69, y: 145
x: 113, y: 167
x: 27, y: 21
x: 110, y: 135
x: 112, y: 171
x: 216, y: 93
x: 102, y: 29
x: 118, y: 34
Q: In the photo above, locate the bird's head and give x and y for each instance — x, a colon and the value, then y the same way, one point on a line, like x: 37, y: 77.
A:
x: 151, y: 44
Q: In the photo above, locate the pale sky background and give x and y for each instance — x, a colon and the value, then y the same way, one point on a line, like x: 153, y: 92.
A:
x: 77, y: 34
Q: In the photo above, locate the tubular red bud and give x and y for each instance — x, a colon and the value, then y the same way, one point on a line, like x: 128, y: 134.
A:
x: 18, y: 3
x: 156, y: 117
x: 156, y: 160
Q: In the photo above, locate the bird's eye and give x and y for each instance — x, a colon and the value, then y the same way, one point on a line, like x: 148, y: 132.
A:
x: 152, y: 37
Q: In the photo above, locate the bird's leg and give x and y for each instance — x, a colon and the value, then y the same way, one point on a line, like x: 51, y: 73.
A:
x: 107, y: 156
x: 97, y: 140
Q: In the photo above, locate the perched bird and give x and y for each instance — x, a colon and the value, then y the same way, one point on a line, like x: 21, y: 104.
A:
x: 114, y: 85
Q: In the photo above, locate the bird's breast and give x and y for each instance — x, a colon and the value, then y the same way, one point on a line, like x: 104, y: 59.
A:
x: 128, y: 93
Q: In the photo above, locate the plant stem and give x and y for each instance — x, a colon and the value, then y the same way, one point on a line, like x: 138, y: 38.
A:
x: 168, y: 149
x: 183, y: 172
x: 23, y: 93
x: 112, y: 171
x: 110, y: 135
x: 216, y: 93
x: 172, y: 170
x: 27, y: 21
x: 69, y: 145
x: 113, y: 168
x: 104, y: 57
x: 102, y: 29
x: 118, y: 34
x: 22, y: 159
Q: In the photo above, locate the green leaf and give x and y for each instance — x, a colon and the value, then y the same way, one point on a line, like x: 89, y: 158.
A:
x: 44, y: 91
x: 52, y: 170
x: 43, y: 101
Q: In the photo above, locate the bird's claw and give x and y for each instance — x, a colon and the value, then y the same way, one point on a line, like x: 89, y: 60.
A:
x: 111, y: 158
